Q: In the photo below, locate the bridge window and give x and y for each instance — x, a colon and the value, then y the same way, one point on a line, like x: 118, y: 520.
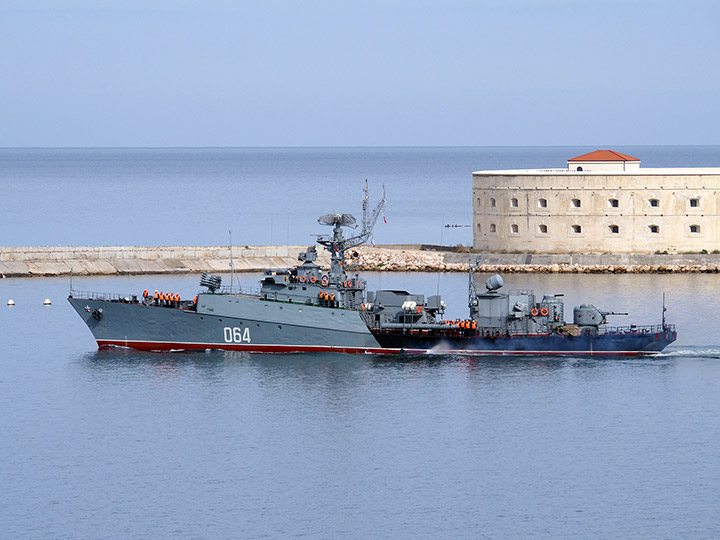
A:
x: 654, y: 229
x: 694, y: 228
x: 614, y: 229
x: 654, y: 203
x: 614, y: 203
x: 575, y: 203
x: 543, y: 229
x: 577, y: 229
x: 542, y: 203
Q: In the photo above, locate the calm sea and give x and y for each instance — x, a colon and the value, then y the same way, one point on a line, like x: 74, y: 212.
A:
x: 119, y: 444
x: 265, y: 196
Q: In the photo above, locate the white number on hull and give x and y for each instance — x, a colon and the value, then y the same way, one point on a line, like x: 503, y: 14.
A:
x: 236, y: 335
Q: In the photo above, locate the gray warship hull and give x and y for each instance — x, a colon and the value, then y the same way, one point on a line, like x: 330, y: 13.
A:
x: 252, y: 324
x: 236, y: 322
x: 630, y: 342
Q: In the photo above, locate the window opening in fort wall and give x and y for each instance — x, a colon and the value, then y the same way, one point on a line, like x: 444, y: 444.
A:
x: 602, y: 202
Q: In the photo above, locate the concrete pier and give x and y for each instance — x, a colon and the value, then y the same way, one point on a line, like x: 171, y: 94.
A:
x: 128, y: 260
x: 41, y: 261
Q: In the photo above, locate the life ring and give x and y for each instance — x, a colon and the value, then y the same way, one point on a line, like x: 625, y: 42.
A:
x: 325, y: 281
x: 534, y: 312
x: 544, y: 311
x: 419, y: 309
x: 362, y: 306
x: 302, y: 279
x: 313, y: 279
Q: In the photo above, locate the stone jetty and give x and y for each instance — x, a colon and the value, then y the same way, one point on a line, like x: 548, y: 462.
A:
x: 419, y: 260
x: 127, y: 260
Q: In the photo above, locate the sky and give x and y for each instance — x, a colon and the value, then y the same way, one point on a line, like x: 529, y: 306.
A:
x: 371, y: 73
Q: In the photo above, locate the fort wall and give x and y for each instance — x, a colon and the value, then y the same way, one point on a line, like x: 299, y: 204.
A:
x: 569, y: 211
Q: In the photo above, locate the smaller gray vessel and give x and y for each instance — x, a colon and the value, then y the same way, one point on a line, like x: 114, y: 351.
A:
x: 305, y: 309
x: 514, y: 323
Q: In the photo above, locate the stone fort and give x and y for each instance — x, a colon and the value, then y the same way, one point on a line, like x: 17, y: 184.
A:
x: 603, y: 202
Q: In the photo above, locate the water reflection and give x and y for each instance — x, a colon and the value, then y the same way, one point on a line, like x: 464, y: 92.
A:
x: 333, y: 370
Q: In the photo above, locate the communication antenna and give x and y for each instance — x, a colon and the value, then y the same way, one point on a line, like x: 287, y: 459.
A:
x: 441, y: 243
x: 472, y: 268
x: 232, y: 264
x: 663, y: 312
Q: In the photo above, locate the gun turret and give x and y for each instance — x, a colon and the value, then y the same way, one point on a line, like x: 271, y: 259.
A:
x: 589, y: 315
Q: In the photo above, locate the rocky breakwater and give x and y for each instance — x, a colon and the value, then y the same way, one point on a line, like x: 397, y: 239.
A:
x: 123, y: 260
x: 418, y: 260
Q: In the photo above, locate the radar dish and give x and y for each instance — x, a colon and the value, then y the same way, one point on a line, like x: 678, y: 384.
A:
x: 493, y: 283
x: 346, y: 220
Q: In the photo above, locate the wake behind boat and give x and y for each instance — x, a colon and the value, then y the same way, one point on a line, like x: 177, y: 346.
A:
x: 304, y: 309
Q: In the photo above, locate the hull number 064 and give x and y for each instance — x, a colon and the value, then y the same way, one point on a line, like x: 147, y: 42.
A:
x: 236, y: 335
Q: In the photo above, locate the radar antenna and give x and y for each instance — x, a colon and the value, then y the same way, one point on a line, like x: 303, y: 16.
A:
x: 337, y: 244
x: 344, y: 220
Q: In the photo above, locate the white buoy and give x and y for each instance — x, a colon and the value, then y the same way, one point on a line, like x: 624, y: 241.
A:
x: 47, y: 302
x: 11, y: 302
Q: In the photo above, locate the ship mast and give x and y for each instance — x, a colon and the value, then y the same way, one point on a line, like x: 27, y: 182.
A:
x: 337, y: 244
x: 472, y: 291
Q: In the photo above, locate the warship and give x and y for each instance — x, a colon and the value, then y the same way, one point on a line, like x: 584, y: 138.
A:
x: 306, y: 309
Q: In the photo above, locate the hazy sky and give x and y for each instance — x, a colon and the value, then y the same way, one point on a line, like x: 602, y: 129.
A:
x: 307, y: 73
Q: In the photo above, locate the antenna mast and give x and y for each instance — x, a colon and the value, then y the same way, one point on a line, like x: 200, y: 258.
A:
x: 337, y: 244
x: 472, y: 291
x: 232, y: 264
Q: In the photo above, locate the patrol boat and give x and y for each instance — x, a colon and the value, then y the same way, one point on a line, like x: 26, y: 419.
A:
x: 304, y: 309
x: 514, y: 323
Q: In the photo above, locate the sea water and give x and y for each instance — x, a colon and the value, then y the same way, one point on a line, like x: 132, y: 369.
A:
x: 124, y: 444
x: 266, y: 196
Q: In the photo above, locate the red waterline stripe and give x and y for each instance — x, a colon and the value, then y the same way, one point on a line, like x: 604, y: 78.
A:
x: 174, y: 346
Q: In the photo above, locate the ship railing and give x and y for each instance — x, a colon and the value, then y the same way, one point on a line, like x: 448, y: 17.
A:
x: 637, y: 329
x: 234, y: 291
x: 521, y: 292
x: 108, y: 297
x: 368, y: 318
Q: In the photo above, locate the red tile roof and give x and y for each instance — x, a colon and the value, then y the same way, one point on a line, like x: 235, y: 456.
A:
x: 604, y: 155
